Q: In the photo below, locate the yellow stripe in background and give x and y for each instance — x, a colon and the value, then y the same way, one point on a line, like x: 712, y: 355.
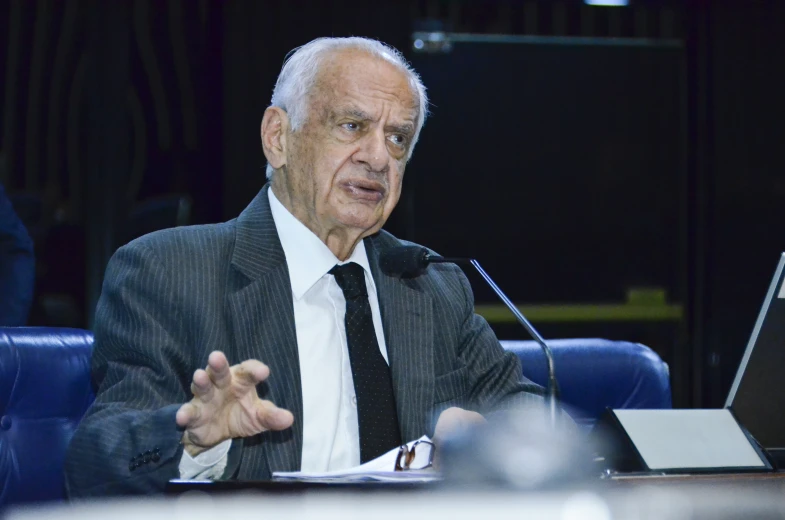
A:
x: 577, y: 312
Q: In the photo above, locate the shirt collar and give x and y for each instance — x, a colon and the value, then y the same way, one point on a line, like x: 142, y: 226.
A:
x: 307, y: 257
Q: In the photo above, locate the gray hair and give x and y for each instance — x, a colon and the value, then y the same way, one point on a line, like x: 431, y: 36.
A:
x: 299, y: 72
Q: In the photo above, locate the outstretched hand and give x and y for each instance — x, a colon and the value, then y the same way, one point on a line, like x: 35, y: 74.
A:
x: 226, y: 405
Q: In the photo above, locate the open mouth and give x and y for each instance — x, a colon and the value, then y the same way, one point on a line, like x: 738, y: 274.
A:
x: 365, y: 190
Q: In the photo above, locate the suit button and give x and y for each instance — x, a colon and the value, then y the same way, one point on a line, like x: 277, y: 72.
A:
x: 5, y: 422
x: 146, y: 458
x: 132, y: 466
x: 156, y: 456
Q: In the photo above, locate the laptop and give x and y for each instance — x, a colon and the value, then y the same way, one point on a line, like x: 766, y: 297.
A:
x: 757, y: 396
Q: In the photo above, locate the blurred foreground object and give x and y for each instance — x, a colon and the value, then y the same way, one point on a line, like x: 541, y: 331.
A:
x: 519, y: 449
x: 17, y: 266
x: 630, y: 504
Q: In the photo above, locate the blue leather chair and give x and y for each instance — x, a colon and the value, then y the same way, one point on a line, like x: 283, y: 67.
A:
x: 595, y: 374
x: 45, y: 390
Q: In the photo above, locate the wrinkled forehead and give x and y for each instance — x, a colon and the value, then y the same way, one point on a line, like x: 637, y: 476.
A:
x: 351, y: 77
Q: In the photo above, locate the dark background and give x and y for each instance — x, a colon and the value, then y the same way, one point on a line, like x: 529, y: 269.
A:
x: 586, y: 155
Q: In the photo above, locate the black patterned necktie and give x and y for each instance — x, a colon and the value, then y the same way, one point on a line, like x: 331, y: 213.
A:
x: 376, y: 413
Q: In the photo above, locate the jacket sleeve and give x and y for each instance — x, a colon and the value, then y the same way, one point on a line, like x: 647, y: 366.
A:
x: 129, y: 442
x: 17, y: 266
x: 496, y: 380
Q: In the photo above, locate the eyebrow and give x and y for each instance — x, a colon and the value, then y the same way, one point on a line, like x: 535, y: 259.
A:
x: 405, y: 128
x: 353, y: 112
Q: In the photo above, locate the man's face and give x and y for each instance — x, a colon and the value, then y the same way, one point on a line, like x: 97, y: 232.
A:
x: 344, y: 166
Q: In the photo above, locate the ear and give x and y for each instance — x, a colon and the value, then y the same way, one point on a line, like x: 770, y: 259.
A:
x: 275, y: 125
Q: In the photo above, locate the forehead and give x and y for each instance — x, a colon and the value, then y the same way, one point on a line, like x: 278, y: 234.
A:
x: 356, y: 78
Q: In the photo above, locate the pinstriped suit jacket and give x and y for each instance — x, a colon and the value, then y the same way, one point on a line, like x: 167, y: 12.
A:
x: 172, y: 297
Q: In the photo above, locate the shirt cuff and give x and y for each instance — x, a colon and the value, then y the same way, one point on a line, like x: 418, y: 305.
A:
x: 208, y: 465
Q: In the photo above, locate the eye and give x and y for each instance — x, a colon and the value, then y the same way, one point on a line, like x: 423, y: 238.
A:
x: 351, y: 126
x: 398, y: 140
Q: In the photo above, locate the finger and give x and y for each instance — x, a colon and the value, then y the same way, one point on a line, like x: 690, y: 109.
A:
x: 201, y: 385
x: 250, y: 373
x: 218, y: 369
x: 200, y: 382
x: 187, y: 415
x: 273, y: 418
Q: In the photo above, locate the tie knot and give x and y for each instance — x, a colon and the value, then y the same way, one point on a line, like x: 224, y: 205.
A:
x: 351, y: 280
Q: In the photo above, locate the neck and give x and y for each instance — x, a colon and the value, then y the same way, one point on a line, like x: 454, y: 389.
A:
x: 340, y: 241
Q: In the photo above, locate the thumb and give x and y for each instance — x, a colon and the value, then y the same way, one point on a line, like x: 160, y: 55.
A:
x: 274, y: 418
x: 187, y: 414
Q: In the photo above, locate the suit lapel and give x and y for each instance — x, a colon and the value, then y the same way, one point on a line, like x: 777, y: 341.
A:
x: 407, y: 318
x: 262, y: 317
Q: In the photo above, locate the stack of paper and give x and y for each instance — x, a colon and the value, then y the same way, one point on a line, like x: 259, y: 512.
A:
x: 380, y: 469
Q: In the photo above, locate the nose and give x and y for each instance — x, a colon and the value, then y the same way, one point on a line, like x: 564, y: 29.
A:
x: 373, y: 152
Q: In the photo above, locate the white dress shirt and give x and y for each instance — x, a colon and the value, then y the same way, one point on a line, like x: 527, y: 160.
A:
x: 331, y: 439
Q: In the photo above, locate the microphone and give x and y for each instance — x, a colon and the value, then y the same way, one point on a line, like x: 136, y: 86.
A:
x: 412, y: 261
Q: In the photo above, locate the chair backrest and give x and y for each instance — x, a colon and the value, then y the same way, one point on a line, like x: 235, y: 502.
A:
x: 156, y: 213
x: 45, y: 390
x: 595, y: 374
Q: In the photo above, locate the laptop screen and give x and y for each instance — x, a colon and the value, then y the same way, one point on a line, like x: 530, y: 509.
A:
x: 757, y: 396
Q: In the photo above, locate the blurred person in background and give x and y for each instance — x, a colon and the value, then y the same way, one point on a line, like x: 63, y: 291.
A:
x: 274, y: 341
x: 17, y: 266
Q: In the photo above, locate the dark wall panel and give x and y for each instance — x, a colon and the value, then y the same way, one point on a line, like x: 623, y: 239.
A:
x: 560, y: 166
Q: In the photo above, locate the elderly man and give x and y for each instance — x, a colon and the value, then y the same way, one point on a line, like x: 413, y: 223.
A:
x: 315, y: 359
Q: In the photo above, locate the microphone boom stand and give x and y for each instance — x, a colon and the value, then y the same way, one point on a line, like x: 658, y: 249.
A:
x: 553, y: 385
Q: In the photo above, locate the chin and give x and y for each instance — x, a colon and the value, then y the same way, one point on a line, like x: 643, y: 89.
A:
x: 360, y: 216
x: 368, y: 227
x: 367, y: 222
